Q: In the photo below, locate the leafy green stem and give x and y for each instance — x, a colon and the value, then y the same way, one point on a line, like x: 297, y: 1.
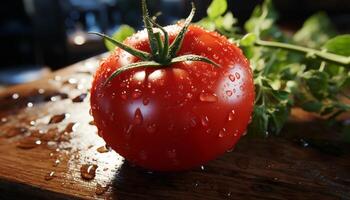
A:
x: 326, y: 56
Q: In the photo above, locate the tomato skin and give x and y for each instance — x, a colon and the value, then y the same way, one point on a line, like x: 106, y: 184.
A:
x: 176, y: 117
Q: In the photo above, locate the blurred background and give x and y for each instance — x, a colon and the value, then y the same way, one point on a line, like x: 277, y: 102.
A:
x: 40, y: 36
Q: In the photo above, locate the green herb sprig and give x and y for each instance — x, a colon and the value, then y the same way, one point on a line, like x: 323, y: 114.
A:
x: 309, y: 69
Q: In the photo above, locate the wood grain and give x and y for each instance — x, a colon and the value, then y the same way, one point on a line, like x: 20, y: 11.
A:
x: 308, y: 162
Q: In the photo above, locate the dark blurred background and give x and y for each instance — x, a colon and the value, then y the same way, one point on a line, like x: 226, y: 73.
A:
x: 37, y: 36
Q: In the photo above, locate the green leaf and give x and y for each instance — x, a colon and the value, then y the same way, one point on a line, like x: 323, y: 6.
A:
x: 279, y: 117
x: 217, y: 8
x: 228, y: 21
x: 315, y: 31
x: 339, y: 45
x: 248, y: 40
x: 122, y: 33
x: 312, y: 106
x: 262, y: 19
x: 259, y: 124
x: 317, y: 83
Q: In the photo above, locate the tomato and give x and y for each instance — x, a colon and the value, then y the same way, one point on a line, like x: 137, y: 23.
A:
x: 179, y: 116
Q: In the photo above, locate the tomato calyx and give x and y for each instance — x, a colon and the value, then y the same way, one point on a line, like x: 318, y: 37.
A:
x: 162, y: 52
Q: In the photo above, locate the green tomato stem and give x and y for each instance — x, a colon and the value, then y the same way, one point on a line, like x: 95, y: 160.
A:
x: 326, y: 56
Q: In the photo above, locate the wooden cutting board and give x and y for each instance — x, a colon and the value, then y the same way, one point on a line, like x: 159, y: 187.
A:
x: 47, y: 140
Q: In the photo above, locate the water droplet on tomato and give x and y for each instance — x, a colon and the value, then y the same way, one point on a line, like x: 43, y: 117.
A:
x: 231, y: 115
x: 145, y: 101
x: 128, y: 129
x: 232, y: 77
x: 229, y: 93
x: 208, y: 97
x: 124, y: 95
x: 172, y: 153
x: 151, y: 128
x: 238, y: 76
x: 193, y: 122
x: 209, y: 49
x: 138, y: 118
x: 241, y: 88
x: 202, y: 168
x: 204, y: 121
x: 222, y: 133
x: 88, y: 171
x: 136, y: 94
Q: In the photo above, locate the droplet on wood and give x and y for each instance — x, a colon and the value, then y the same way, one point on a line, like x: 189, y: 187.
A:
x: 79, y: 98
x: 12, y: 132
x: 57, y: 118
x: 50, y: 176
x: 102, y: 149
x: 29, y: 142
x: 100, y: 189
x: 88, y: 171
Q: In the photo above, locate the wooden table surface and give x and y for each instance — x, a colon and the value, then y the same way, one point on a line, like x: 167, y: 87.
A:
x: 47, y: 139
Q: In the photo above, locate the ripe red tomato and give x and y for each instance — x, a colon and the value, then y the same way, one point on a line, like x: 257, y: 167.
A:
x: 176, y: 117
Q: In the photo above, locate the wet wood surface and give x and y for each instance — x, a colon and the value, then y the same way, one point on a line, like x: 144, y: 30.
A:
x: 49, y: 149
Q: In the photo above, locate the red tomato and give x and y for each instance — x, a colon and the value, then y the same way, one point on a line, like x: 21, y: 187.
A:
x: 175, y: 117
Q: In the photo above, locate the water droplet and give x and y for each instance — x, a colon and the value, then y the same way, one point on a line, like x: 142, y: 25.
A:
x: 88, y: 171
x: 128, y: 129
x: 30, y: 104
x: 56, y: 163
x: 303, y: 143
x: 204, y: 121
x: 208, y: 97
x: 57, y: 118
x: 238, y: 76
x: 202, y: 168
x: 15, y: 131
x: 136, y: 94
x: 15, y: 96
x: 71, y: 127
x: 79, y: 98
x: 124, y: 95
x: 172, y: 153
x: 29, y: 143
x: 231, y: 115
x: 193, y: 122
x: 229, y: 93
x: 41, y: 91
x: 100, y: 190
x: 102, y: 149
x: 138, y: 118
x: 222, y: 133
x: 209, y: 49
x: 145, y: 101
x: 151, y: 128
x: 241, y: 88
x: 232, y: 77
x: 3, y: 120
x: 50, y: 176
